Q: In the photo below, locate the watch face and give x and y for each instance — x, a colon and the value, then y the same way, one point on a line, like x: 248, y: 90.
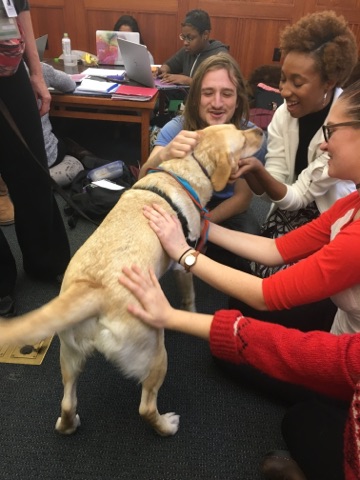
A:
x: 190, y: 260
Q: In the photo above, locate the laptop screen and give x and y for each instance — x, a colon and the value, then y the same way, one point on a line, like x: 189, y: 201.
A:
x: 107, y: 48
x: 138, y: 68
x: 41, y: 43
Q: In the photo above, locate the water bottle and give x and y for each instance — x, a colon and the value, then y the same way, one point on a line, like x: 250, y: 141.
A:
x: 108, y: 171
x: 66, y: 48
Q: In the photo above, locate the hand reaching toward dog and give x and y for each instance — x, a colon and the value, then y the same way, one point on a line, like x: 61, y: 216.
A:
x: 169, y: 230
x: 247, y: 165
x: 154, y: 308
x: 183, y: 144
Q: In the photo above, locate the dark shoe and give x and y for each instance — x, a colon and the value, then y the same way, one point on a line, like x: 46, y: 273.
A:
x: 7, y: 216
x: 278, y: 465
x: 6, y: 206
x: 7, y: 307
x: 75, y: 149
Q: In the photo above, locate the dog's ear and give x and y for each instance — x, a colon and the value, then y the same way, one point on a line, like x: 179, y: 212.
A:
x: 220, y: 146
x: 222, y: 172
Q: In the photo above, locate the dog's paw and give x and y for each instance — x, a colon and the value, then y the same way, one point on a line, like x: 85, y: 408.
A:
x: 170, y: 423
x: 68, y: 428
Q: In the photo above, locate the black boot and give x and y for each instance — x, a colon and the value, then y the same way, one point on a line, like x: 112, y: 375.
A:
x: 7, y: 307
x: 76, y: 150
x: 278, y: 465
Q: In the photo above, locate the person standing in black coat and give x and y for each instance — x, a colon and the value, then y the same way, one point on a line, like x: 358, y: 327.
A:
x: 39, y: 226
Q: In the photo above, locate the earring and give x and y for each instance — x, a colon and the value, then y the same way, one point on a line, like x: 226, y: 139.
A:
x: 324, y: 98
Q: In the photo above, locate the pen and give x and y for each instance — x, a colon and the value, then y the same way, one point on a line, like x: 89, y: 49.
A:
x: 115, y: 78
x: 112, y: 87
x: 99, y: 78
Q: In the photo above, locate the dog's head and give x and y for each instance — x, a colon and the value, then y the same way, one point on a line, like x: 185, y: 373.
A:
x: 220, y: 148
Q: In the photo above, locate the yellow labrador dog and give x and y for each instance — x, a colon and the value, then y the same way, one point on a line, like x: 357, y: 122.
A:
x: 91, y: 310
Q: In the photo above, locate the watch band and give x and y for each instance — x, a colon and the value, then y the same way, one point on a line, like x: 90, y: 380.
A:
x: 182, y: 255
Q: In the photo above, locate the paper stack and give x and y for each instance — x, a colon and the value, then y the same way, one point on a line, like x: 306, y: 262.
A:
x: 96, y: 87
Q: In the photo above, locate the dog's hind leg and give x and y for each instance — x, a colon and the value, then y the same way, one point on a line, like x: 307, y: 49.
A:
x: 185, y: 283
x: 168, y: 423
x: 72, y: 363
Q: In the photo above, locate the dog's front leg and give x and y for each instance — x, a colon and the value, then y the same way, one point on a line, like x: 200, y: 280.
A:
x: 185, y: 283
x: 168, y: 423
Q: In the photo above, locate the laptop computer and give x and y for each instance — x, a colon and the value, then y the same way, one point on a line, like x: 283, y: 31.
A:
x: 41, y: 43
x: 138, y: 68
x: 107, y: 48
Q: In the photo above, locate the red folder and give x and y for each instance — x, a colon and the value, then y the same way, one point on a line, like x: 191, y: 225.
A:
x: 134, y: 93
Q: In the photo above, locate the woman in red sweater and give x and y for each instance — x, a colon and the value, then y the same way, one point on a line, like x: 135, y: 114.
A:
x: 323, y: 438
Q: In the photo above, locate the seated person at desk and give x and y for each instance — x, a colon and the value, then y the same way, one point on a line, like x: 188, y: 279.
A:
x: 127, y: 23
x: 195, y: 31
x: 216, y: 96
x: 62, y: 167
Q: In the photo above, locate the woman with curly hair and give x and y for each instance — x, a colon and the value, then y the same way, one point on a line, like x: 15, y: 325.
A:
x: 319, y: 54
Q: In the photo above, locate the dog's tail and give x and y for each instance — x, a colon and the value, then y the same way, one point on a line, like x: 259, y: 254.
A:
x: 76, y: 304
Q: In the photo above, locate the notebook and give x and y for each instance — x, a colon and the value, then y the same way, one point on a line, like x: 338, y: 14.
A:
x: 107, y: 48
x: 41, y: 43
x: 137, y: 65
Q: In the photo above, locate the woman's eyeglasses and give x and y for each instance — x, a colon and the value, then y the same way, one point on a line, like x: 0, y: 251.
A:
x: 187, y: 38
x: 328, y: 130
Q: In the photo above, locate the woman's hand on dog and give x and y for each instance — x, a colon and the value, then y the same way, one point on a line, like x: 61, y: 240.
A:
x: 154, y: 308
x: 169, y: 230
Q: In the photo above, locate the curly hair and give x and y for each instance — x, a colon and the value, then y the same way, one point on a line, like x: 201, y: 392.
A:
x: 192, y: 119
x: 328, y: 39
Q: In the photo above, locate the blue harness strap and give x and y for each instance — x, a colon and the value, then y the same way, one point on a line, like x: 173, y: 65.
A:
x: 204, y: 213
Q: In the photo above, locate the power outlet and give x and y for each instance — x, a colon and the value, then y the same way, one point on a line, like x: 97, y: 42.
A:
x: 276, y: 55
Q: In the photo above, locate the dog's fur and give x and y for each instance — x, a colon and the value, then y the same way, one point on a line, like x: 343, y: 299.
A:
x: 91, y: 310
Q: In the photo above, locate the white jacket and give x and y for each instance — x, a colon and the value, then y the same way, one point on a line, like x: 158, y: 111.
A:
x: 313, y: 183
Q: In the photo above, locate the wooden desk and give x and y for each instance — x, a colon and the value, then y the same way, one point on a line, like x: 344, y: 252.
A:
x: 103, y: 108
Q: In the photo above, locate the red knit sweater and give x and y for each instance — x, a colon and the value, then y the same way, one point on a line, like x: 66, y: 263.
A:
x: 326, y: 363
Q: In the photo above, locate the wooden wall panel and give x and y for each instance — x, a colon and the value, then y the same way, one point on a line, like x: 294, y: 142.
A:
x: 250, y: 27
x: 53, y: 17
x: 267, y: 32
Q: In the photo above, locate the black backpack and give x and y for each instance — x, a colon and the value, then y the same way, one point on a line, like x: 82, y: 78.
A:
x: 89, y: 200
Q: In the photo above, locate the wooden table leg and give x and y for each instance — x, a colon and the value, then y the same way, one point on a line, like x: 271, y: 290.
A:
x: 145, y: 135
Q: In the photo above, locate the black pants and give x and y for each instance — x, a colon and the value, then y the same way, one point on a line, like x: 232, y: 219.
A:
x: 313, y: 432
x: 242, y: 222
x: 39, y: 226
